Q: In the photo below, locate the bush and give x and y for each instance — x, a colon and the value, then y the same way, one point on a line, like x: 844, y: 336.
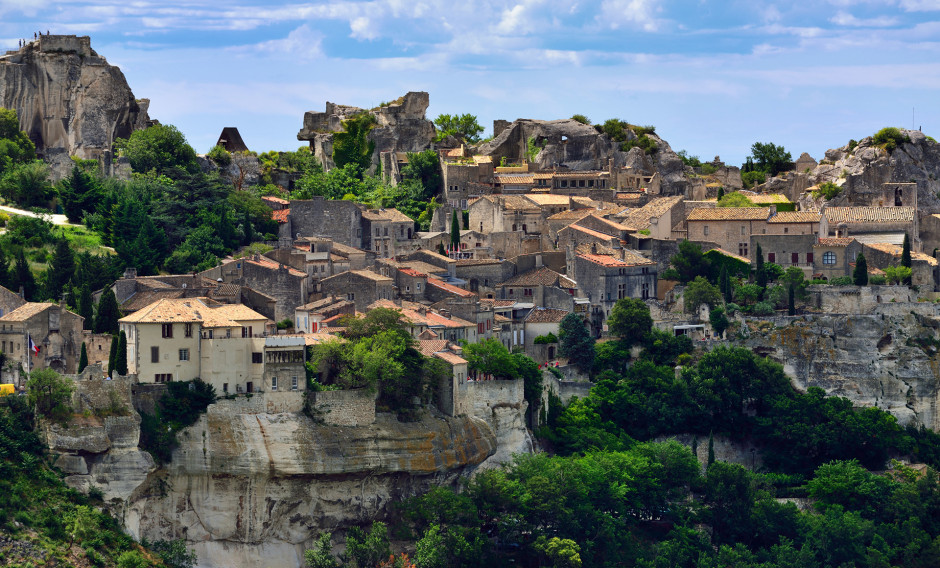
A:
x: 890, y: 138
x: 763, y: 309
x: 841, y: 281
x: 220, y: 156
x: 545, y: 339
x: 873, y: 280
x: 828, y: 190
x: 709, y: 168
x: 750, y: 179
x: 581, y: 118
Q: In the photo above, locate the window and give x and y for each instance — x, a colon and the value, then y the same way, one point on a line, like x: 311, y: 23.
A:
x: 786, y: 230
x: 771, y: 257
x: 511, y: 291
x: 590, y: 183
x: 293, y: 383
x: 646, y: 290
x: 167, y: 330
x: 513, y: 226
x: 274, y: 383
x: 705, y: 231
x: 795, y: 258
x: 225, y: 388
x: 163, y: 377
x: 829, y: 257
x: 184, y: 354
x: 154, y: 354
x: 257, y: 358
x: 743, y: 230
x: 809, y: 258
x: 480, y: 327
x: 188, y: 330
x: 564, y: 183
x: 742, y: 249
x: 527, y: 291
x: 351, y: 297
x: 581, y: 183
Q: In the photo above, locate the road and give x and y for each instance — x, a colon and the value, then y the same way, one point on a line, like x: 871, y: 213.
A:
x: 56, y: 219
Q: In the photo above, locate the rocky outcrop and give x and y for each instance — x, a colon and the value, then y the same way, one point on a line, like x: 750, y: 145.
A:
x: 570, y: 144
x: 401, y: 126
x: 70, y: 101
x: 884, y: 357
x: 255, y: 489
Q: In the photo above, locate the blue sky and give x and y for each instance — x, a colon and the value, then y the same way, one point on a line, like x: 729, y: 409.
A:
x: 713, y: 77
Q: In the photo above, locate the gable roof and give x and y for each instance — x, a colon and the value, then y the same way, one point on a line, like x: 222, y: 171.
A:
x: 729, y: 214
x: 796, y: 217
x: 441, y: 285
x: 543, y: 276
x: 281, y: 215
x: 391, y: 214
x: 869, y: 214
x: 267, y: 263
x: 546, y: 315
x: 27, y: 311
x: 640, y: 218
x: 193, y: 310
x: 835, y: 241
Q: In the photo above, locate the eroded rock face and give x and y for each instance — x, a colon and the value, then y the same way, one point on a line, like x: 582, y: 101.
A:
x: 70, y: 101
x: 873, y: 359
x: 255, y: 489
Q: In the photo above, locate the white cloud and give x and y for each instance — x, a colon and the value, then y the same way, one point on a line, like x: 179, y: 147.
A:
x: 843, y: 18
x: 920, y: 5
x: 363, y: 28
x: 27, y: 7
x: 630, y: 13
x: 302, y: 43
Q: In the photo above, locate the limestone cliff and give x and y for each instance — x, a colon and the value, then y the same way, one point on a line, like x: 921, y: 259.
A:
x: 401, y: 126
x: 255, y: 489
x: 569, y: 143
x: 70, y: 101
x: 882, y: 355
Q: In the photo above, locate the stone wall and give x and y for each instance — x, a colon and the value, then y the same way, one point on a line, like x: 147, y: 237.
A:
x: 146, y: 396
x: 339, y: 220
x: 262, y: 403
x: 502, y: 405
x: 97, y: 346
x: 93, y: 393
x: 345, y: 407
x: 859, y: 299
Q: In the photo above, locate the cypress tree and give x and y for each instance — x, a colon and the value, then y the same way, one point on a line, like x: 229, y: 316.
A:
x: 120, y: 363
x: 906, y: 256
x: 83, y: 359
x: 61, y: 270
x: 695, y: 446
x: 724, y: 283
x: 112, y: 355
x: 711, y: 449
x: 721, y: 192
x: 23, y: 277
x: 761, y: 272
x: 441, y: 250
x: 4, y: 269
x: 107, y: 314
x: 248, y: 231
x: 86, y: 306
x: 791, y: 304
x: 454, y: 230
x: 860, y: 275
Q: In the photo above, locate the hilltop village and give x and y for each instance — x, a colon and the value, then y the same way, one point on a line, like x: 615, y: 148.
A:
x: 244, y: 352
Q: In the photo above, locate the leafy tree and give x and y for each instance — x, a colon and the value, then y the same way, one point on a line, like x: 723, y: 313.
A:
x: 48, y: 392
x: 711, y: 449
x: 113, y: 355
x: 735, y: 199
x: 770, y: 158
x: 828, y: 190
x: 729, y: 493
x: 752, y: 178
x: 906, y: 256
x: 690, y: 262
x: 491, y: 358
x: 83, y: 358
x: 160, y: 148
x: 23, y: 277
x: 761, y: 275
x: 107, y: 314
x: 531, y: 380
x: 561, y: 552
x: 463, y: 127
x: 860, y: 274
x: 174, y: 553
x: 219, y: 155
x: 15, y: 145
x: 575, y: 342
x: 26, y: 184
x: 120, y: 362
x: 352, y: 146
x: 630, y: 320
x: 724, y: 284
x: 454, y: 230
x: 79, y: 193
x: 719, y: 320
x: 700, y: 291
x: 367, y: 550
x: 61, y: 270
x: 321, y: 555
x: 81, y: 523
x: 691, y: 161
x: 424, y: 168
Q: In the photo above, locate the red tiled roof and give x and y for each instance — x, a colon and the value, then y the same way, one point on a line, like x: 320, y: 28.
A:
x: 266, y: 262
x: 591, y: 232
x: 274, y: 199
x: 835, y: 241
x: 412, y: 272
x: 449, y: 288
x: 281, y: 215
x: 546, y: 315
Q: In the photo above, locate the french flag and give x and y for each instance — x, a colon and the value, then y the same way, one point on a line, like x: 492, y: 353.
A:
x: 32, y: 345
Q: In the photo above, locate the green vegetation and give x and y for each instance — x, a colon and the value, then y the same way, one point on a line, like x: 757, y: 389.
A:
x: 533, y: 147
x: 221, y: 156
x: 753, y: 178
x: 689, y: 262
x: 352, y: 146
x: 160, y: 149
x: 49, y: 394
x: 691, y: 161
x: 463, y: 127
x: 178, y: 408
x: 767, y: 158
x: 897, y: 274
x: 630, y: 321
x: 15, y: 145
x: 890, y: 138
x: 629, y: 135
x: 860, y: 273
x: 828, y: 190
x: 581, y: 118
x: 576, y: 343
x: 735, y: 199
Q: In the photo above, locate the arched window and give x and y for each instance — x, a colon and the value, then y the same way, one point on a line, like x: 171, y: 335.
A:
x: 829, y: 257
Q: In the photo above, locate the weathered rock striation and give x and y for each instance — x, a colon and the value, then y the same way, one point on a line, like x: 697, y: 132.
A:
x: 401, y: 126
x: 70, y: 101
x: 255, y: 489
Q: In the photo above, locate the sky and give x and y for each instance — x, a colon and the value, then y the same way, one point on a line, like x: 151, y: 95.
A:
x: 712, y: 77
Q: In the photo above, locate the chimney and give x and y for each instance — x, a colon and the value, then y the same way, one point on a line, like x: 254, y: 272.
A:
x: 594, y: 248
x: 773, y: 210
x: 130, y: 273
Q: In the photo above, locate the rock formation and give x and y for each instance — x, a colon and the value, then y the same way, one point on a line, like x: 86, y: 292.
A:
x: 70, y: 101
x: 401, y: 127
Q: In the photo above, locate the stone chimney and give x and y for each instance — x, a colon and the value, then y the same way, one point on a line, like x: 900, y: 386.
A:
x: 130, y: 273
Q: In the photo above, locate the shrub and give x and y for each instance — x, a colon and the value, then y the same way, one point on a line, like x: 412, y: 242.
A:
x: 285, y: 324
x: 828, y: 190
x: 581, y: 118
x: 750, y: 179
x: 545, y: 339
x: 840, y: 281
x: 709, y: 168
x: 890, y: 138
x: 220, y: 156
x: 874, y: 280
x: 763, y: 309
x: 852, y: 144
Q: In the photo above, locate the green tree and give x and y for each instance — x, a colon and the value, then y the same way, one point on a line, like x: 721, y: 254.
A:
x: 425, y: 169
x: 734, y: 199
x: 81, y: 523
x: 352, y: 146
x: 113, y: 355
x: 48, y: 392
x: 367, y: 550
x: 174, y: 553
x: 79, y: 194
x: 721, y: 194
x: 107, y: 314
x: 770, y: 158
x: 561, y: 552
x: 464, y: 127
x: 86, y: 306
x: 120, y: 362
x: 454, y: 231
x: 490, y: 357
x: 160, y: 148
x: 431, y: 550
x: 906, y: 256
x: 61, y: 270
x: 719, y: 320
x: 630, y: 320
x: 860, y: 274
x: 575, y: 342
x: 711, y: 449
x: 26, y: 184
x: 791, y: 300
x: 897, y: 274
x: 690, y: 261
x: 761, y: 272
x: 83, y: 358
x: 700, y: 291
x: 321, y: 555
x: 724, y: 284
x: 15, y: 145
x: 23, y: 277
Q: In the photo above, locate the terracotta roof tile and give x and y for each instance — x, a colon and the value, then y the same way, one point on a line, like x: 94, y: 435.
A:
x: 796, y: 217
x: 441, y: 285
x: 732, y: 255
x: 412, y: 272
x: 281, y: 215
x: 451, y: 358
x: 835, y: 241
x: 591, y: 232
x: 507, y: 179
x: 536, y: 277
x: 571, y: 214
x: 729, y: 214
x: 273, y: 199
x: 27, y: 311
x: 549, y: 199
x: 896, y: 251
x: 546, y: 315
x: 640, y: 218
x: 606, y: 260
x: 391, y: 214
x: 194, y: 310
x: 869, y: 214
x: 266, y: 262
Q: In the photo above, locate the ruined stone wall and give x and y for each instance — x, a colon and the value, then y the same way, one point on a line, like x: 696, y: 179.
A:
x: 91, y: 392
x: 861, y: 299
x: 345, y: 407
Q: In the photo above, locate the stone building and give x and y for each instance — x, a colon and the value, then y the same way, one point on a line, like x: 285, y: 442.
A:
x: 336, y: 219
x: 505, y: 213
x: 787, y: 250
x: 542, y: 287
x: 658, y: 216
x: 541, y: 321
x: 872, y: 224
x: 312, y: 317
x: 9, y: 301
x: 387, y: 232
x: 833, y: 256
x: 729, y: 227
x: 288, y: 286
x: 362, y: 287
x: 924, y: 271
x: 482, y: 275
x: 604, y: 279
x: 55, y: 331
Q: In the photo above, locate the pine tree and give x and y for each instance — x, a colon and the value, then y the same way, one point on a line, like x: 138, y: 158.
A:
x: 149, y: 249
x: 86, y: 306
x: 107, y: 314
x: 724, y: 284
x: 248, y: 231
x: 454, y: 230
x: 721, y: 192
x: 860, y: 275
x: 61, y: 270
x: 120, y: 363
x: 711, y: 449
x: 23, y: 277
x: 112, y: 355
x: 906, y: 256
x: 78, y: 193
x: 4, y: 269
x: 83, y: 359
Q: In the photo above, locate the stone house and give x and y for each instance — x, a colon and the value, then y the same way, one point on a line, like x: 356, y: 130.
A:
x: 310, y: 318
x: 658, y: 217
x: 464, y: 178
x: 284, y: 364
x: 559, y: 221
x: 450, y: 354
x: 787, y: 250
x: 387, y: 232
x: 275, y: 203
x: 606, y: 226
x: 542, y: 287
x: 411, y: 284
x: 289, y: 287
x: 9, y: 301
x: 362, y: 287
x: 447, y: 264
x: 604, y: 279
x: 728, y: 227
x: 832, y: 256
x: 505, y: 213
x: 182, y: 339
x: 794, y: 223
x: 98, y: 347
x: 471, y: 309
x: 424, y: 323
x: 551, y: 204
x: 54, y: 330
x: 923, y: 266
x: 438, y: 290
x: 541, y: 321
x: 579, y: 182
x: 339, y: 220
x: 513, y: 182
x: 574, y: 235
x: 482, y: 275
x: 872, y: 224
x: 804, y: 162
